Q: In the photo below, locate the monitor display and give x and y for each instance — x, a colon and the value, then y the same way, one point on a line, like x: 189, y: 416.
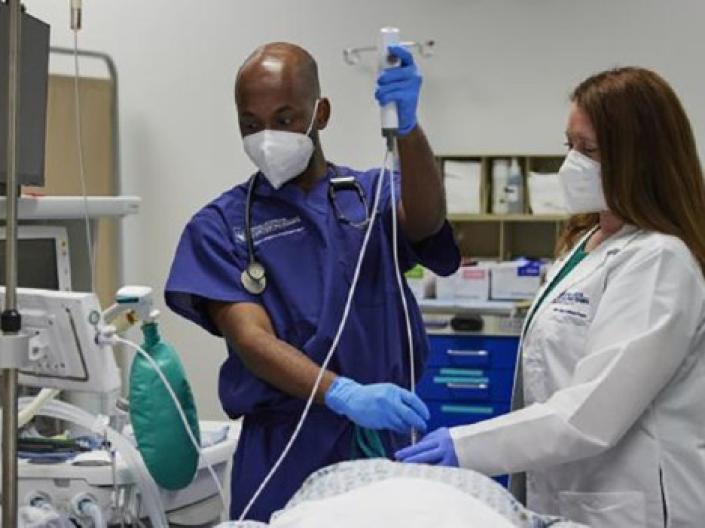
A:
x: 34, y: 75
x: 36, y: 263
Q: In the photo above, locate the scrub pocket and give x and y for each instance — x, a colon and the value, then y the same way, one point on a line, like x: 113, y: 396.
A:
x: 604, y: 510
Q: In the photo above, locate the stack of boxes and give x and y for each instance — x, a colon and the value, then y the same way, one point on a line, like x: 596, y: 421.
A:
x: 482, y: 281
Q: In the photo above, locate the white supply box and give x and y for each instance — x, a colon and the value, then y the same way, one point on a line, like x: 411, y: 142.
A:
x: 463, y: 184
x: 515, y: 280
x: 445, y: 287
x: 471, y: 283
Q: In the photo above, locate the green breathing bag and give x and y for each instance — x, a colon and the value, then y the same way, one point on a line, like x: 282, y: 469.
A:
x: 162, y: 440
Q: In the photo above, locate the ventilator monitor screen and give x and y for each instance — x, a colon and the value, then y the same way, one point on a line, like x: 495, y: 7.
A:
x: 36, y: 265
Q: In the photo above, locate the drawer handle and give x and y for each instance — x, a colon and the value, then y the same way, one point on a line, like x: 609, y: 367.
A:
x: 467, y: 353
x: 467, y: 386
x: 466, y: 409
x: 468, y: 373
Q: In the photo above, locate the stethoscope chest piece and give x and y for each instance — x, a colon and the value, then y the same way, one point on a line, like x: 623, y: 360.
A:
x: 254, y: 279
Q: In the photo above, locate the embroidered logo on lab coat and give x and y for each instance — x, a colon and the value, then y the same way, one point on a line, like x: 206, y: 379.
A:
x: 574, y: 303
x: 572, y: 297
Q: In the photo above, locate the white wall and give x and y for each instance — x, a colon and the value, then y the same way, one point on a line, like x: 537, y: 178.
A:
x: 499, y: 82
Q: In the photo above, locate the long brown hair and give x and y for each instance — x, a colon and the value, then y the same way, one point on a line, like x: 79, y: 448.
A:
x: 651, y: 173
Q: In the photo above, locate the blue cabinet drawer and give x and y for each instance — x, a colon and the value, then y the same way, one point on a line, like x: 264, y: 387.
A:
x: 461, y: 384
x: 449, y: 414
x: 474, y: 351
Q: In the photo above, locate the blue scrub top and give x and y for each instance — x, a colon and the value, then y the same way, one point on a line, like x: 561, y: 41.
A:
x: 309, y: 256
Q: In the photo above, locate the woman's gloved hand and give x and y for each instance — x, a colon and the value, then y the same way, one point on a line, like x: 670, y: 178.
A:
x: 436, y: 448
x: 401, y: 85
x: 378, y: 405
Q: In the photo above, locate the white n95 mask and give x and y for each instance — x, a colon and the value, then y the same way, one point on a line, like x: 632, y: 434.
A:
x: 582, y: 184
x: 281, y: 156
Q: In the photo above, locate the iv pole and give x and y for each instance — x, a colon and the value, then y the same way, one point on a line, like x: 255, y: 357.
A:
x: 14, y: 346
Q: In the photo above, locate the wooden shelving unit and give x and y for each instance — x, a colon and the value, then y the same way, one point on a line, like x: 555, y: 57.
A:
x: 506, y: 236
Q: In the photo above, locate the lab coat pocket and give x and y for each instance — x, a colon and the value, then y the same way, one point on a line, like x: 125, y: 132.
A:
x: 604, y: 510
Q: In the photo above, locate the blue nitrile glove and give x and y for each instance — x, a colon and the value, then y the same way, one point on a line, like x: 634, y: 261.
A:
x: 436, y: 448
x: 401, y: 85
x: 378, y: 405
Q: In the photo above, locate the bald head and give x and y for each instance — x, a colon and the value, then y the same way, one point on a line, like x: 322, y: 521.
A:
x: 283, y: 62
x: 277, y: 88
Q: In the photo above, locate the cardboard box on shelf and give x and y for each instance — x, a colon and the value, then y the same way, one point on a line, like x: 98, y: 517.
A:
x: 470, y: 283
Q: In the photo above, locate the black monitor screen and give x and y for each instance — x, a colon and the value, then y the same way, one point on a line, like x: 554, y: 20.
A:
x: 34, y: 73
x: 36, y: 264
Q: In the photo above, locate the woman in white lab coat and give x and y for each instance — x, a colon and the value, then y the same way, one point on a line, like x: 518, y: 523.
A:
x: 612, y: 433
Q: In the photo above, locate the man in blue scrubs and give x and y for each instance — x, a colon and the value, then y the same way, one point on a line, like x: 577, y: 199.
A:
x: 308, y: 243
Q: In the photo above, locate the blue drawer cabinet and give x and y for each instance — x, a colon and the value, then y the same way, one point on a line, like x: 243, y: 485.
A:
x: 473, y: 351
x: 468, y: 379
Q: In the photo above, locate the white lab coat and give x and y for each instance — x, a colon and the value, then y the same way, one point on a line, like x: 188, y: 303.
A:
x: 613, y: 434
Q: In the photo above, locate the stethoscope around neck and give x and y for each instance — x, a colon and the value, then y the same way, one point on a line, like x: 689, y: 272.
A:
x: 254, y: 277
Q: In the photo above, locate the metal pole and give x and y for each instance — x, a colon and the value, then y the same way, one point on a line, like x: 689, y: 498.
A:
x: 10, y: 318
x: 9, y: 448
